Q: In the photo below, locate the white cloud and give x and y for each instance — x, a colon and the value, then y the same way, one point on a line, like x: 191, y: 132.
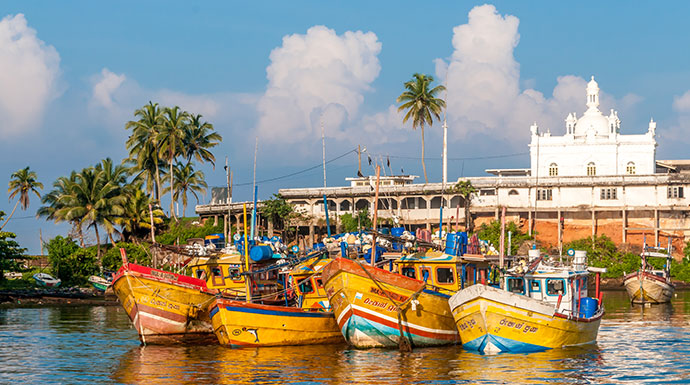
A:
x: 106, y: 84
x: 483, y: 81
x: 318, y: 73
x: 682, y: 103
x: 29, y: 71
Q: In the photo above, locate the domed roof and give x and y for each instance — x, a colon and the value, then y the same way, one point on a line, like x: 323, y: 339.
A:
x: 596, y: 121
x: 593, y: 119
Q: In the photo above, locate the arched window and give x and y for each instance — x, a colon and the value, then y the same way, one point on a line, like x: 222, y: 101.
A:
x: 630, y: 168
x: 513, y: 192
x: 591, y: 169
x: 553, y: 169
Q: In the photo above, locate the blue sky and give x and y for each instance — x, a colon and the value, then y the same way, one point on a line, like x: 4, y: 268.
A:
x: 72, y: 73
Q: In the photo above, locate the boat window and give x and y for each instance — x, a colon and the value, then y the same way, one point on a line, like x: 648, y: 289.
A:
x: 516, y: 285
x: 201, y: 274
x: 319, y: 283
x: 424, y: 272
x: 409, y: 272
x: 555, y: 287
x: 234, y: 274
x: 535, y: 286
x: 305, y: 286
x: 444, y: 275
x: 216, y: 272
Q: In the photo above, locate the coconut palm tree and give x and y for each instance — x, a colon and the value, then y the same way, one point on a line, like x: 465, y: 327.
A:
x: 136, y: 218
x: 421, y: 104
x: 143, y: 144
x: 52, y: 203
x: 93, y: 200
x: 187, y: 180
x: 22, y: 182
x: 173, y: 126
x: 199, y: 137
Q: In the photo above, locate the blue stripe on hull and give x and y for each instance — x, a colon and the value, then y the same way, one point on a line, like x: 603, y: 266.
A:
x: 504, y: 344
x: 385, y: 336
x: 312, y: 314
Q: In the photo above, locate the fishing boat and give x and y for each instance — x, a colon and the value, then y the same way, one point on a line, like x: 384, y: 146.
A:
x: 100, y: 283
x: 164, y: 307
x: 650, y: 285
x: 303, y: 319
x: 540, y: 305
x: 47, y: 280
x: 406, y: 307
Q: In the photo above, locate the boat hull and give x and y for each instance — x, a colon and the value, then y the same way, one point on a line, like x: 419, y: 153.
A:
x: 165, y: 307
x: 643, y: 287
x: 243, y: 324
x: 368, y: 318
x: 492, y: 320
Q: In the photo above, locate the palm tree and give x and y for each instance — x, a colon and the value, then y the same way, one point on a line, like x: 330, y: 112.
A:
x: 173, y: 126
x: 143, y: 144
x: 135, y: 216
x: 465, y: 189
x: 422, y: 105
x: 199, y: 137
x: 92, y: 200
x: 187, y: 180
x: 53, y: 203
x: 22, y: 182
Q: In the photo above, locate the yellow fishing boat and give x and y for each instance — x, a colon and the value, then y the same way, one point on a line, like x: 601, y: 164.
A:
x: 539, y: 307
x: 166, y: 307
x: 379, y: 308
x: 308, y: 321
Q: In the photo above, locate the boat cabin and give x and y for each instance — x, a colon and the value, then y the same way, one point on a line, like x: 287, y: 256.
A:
x: 224, y: 273
x: 563, y: 288
x: 306, y: 282
x: 444, y: 271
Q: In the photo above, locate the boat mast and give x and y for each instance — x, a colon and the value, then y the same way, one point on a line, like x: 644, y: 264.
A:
x: 376, y: 206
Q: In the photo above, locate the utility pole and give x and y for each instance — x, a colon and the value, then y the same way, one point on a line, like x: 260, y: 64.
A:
x: 359, y: 160
x: 228, y: 227
x: 323, y: 145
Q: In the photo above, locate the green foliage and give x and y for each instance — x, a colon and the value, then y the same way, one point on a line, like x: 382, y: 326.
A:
x: 139, y: 254
x: 70, y: 263
x: 681, y: 271
x: 183, y: 231
x: 11, y: 254
x: 350, y: 223
x: 492, y: 233
x: 603, y: 253
x: 278, y: 210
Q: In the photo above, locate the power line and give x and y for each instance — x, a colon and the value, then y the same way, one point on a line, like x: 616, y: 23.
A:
x: 467, y: 158
x: 296, y: 173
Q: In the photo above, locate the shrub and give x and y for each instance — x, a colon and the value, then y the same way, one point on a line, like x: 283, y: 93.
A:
x: 70, y: 263
x: 492, y: 233
x: 182, y: 231
x: 139, y: 254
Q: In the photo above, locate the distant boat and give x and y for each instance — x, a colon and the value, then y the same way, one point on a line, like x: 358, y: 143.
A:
x: 47, y: 280
x: 12, y: 275
x: 100, y: 283
x: 649, y: 285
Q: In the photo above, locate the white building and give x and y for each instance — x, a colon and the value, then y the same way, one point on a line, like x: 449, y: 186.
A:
x: 592, y: 145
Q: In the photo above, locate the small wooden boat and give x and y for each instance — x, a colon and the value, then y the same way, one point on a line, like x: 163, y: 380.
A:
x: 380, y: 308
x: 99, y: 283
x: 11, y: 275
x: 164, y: 307
x: 650, y: 285
x: 539, y: 307
x: 47, y: 280
x: 304, y: 320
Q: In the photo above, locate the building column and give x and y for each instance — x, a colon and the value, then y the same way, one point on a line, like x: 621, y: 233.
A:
x: 311, y: 235
x: 594, y: 224
x: 529, y: 222
x: 215, y: 220
x: 337, y: 216
x: 625, y: 225
x: 656, y: 227
x: 560, y: 231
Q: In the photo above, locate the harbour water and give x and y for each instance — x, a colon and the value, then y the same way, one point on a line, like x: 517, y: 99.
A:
x: 96, y: 344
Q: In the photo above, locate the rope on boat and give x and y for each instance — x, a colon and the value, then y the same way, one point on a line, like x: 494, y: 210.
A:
x: 403, y: 343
